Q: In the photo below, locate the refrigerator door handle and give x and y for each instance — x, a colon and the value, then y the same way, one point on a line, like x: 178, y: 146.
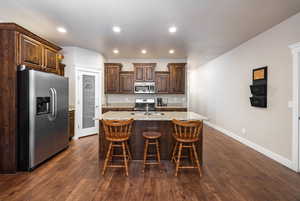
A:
x: 53, y: 96
x: 55, y: 103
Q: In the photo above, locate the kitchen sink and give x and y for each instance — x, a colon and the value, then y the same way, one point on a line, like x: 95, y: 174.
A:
x: 150, y: 113
x: 155, y: 113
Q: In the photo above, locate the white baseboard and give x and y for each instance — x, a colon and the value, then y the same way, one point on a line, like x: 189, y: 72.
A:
x: 276, y: 157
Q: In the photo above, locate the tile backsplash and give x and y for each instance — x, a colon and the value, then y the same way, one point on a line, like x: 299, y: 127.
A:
x: 173, y: 99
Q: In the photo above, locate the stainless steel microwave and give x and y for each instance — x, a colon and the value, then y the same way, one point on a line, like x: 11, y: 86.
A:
x: 144, y: 87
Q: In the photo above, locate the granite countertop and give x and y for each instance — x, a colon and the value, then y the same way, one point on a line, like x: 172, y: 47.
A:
x: 154, y: 116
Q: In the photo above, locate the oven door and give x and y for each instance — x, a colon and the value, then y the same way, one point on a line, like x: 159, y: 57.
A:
x: 139, y: 89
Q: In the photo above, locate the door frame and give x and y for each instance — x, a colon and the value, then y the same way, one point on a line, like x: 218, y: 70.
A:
x: 295, y: 48
x: 78, y: 70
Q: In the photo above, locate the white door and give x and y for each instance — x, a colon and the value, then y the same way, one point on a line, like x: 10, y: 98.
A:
x: 88, y: 100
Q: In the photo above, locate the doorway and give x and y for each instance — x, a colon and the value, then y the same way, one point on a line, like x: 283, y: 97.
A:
x: 87, y: 102
x: 296, y: 106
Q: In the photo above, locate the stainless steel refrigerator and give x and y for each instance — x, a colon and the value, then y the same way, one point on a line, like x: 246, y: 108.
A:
x: 42, y: 117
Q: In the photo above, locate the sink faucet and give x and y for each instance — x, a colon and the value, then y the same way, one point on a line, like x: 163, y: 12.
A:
x: 147, y: 109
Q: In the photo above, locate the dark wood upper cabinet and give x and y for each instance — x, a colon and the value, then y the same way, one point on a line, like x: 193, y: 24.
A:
x: 177, y: 77
x: 139, y: 73
x: 149, y: 73
x: 126, y: 82
x: 50, y: 59
x: 112, y: 77
x: 167, y: 82
x: 31, y: 52
x: 162, y: 82
x: 38, y: 56
x: 144, y: 72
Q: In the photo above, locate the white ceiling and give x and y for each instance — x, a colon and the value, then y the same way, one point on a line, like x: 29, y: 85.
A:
x: 208, y: 27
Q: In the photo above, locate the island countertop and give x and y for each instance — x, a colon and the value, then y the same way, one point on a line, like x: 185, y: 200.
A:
x: 158, y: 121
x: 153, y: 116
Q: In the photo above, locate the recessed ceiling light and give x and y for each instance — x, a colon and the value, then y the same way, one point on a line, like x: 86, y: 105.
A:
x: 172, y: 29
x: 171, y: 51
x: 144, y: 51
x: 61, y: 30
x: 116, y: 51
x: 116, y: 29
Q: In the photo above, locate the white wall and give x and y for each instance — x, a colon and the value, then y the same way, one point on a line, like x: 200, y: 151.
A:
x: 76, y: 57
x: 220, y: 89
x: 161, y: 65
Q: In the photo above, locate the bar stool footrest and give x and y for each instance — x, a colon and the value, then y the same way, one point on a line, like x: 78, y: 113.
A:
x: 154, y: 163
x: 116, y: 166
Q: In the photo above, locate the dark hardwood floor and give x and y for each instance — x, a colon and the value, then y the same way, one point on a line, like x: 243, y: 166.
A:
x: 232, y: 172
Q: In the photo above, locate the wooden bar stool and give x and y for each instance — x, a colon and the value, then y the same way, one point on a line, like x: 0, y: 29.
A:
x: 151, y: 138
x: 118, y: 134
x: 186, y: 135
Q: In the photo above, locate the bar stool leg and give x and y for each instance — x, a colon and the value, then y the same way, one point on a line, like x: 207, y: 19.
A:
x: 107, y: 158
x: 145, y: 153
x: 197, y: 160
x: 128, y: 150
x: 178, y: 159
x: 191, y: 152
x: 174, y: 152
x: 125, y: 158
x: 111, y: 154
x: 157, y: 151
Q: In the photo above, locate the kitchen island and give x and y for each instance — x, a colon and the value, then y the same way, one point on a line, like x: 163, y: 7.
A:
x: 159, y: 121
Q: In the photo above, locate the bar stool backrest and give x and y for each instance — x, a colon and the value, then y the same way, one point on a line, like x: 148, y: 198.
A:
x: 187, y: 130
x: 117, y: 129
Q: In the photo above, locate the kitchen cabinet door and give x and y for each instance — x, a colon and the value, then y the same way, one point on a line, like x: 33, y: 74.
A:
x: 144, y: 72
x: 126, y: 82
x: 112, y: 78
x: 50, y: 60
x: 149, y: 73
x: 31, y: 52
x: 61, y: 69
x: 177, y: 78
x: 139, y: 73
x: 71, y: 124
x: 162, y: 82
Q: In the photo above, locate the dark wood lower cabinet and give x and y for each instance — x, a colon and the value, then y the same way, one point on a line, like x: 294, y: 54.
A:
x: 175, y: 109
x: 104, y: 110
x: 71, y: 124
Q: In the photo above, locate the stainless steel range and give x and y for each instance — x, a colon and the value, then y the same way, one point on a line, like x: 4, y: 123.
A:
x: 144, y: 104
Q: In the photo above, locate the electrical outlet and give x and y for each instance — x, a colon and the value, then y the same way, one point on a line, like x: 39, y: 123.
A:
x: 243, y: 130
x: 290, y: 104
